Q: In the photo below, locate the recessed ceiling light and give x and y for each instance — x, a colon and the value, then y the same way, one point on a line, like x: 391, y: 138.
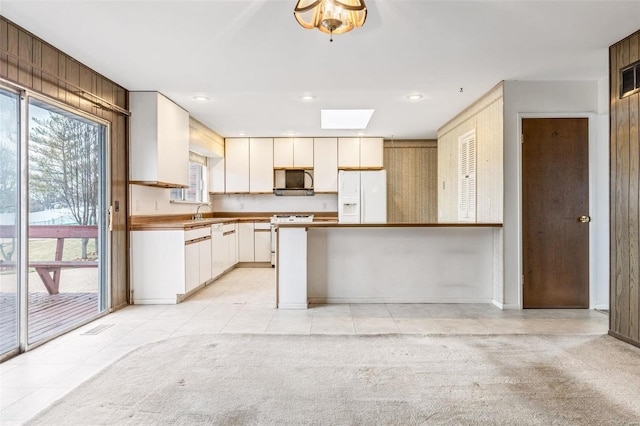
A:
x: 307, y: 98
x: 201, y: 98
x: 242, y: 134
x: 345, y: 119
x: 290, y: 133
x: 361, y: 133
x: 415, y: 97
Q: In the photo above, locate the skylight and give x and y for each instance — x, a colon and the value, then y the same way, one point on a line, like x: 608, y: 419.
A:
x: 345, y: 119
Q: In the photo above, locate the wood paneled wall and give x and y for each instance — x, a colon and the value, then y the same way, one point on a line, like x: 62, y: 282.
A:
x: 624, y: 305
x: 412, y: 181
x: 33, y: 64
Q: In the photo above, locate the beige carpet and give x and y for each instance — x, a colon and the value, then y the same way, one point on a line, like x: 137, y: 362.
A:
x: 363, y: 380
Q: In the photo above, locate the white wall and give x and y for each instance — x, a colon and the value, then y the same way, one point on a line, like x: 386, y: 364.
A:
x: 530, y: 99
x: 150, y: 200
x: 271, y: 203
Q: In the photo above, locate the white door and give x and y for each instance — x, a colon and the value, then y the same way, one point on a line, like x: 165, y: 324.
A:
x: 348, y: 197
x: 373, y: 197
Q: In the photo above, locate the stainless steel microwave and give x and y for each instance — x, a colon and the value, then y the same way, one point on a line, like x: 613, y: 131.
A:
x: 293, y: 182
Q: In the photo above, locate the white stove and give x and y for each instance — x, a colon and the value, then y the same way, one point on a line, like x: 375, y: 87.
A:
x: 284, y: 218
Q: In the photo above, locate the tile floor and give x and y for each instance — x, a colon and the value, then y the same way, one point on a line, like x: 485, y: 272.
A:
x: 243, y: 302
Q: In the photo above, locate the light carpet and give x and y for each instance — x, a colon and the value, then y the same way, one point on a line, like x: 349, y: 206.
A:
x: 363, y: 380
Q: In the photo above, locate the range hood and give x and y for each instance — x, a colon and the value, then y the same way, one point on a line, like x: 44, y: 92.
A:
x: 299, y: 191
x: 297, y: 182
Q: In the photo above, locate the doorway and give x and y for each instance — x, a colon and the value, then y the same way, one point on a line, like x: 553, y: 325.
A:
x: 54, y: 227
x: 555, y: 212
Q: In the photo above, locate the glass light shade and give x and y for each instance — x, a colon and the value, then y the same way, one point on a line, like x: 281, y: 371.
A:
x: 331, y: 16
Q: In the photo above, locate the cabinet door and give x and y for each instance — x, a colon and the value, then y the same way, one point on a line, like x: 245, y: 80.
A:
x: 233, y: 247
x: 236, y: 165
x: 303, y: 152
x: 245, y: 242
x: 216, y: 175
x: 371, y: 153
x: 348, y: 153
x: 173, y: 143
x: 218, y: 254
x: 261, y: 165
x: 192, y: 267
x: 282, y: 152
x: 204, y: 250
x: 325, y: 164
x: 262, y: 244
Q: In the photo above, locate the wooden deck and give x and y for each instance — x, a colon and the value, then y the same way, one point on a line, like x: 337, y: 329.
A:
x: 48, y: 314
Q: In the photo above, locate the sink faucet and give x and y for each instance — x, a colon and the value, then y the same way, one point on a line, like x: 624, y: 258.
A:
x: 198, y: 215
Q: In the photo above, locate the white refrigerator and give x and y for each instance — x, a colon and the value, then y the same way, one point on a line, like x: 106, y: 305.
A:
x: 362, y: 196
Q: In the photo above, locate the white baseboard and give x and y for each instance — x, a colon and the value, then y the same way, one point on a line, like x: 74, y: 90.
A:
x: 293, y: 305
x: 602, y: 307
x: 372, y: 300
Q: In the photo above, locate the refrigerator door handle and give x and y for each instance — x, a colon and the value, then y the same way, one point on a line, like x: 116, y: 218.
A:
x: 362, y: 207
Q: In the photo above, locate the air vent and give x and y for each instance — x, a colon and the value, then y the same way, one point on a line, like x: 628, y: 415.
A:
x: 630, y: 80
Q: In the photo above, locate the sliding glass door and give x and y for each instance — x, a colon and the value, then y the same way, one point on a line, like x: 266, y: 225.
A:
x: 54, y: 232
x: 67, y: 219
x: 9, y: 230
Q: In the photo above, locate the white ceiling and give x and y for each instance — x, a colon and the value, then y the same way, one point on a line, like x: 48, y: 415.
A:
x: 254, y: 61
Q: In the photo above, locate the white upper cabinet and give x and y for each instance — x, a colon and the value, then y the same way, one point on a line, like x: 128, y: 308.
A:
x: 293, y: 152
x: 303, y: 152
x: 261, y: 162
x: 237, y: 165
x: 371, y: 153
x: 360, y: 153
x: 325, y: 169
x: 282, y: 152
x: 348, y: 153
x: 159, y: 147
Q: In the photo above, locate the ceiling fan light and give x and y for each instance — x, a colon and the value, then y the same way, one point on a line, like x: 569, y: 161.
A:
x: 331, y: 16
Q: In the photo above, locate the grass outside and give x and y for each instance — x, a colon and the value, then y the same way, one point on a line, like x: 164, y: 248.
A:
x: 45, y: 249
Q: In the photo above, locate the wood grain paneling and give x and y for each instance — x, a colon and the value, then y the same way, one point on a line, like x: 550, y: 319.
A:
x: 624, y: 301
x: 33, y: 64
x: 412, y: 187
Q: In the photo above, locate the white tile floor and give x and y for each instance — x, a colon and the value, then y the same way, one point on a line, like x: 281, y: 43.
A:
x: 243, y: 302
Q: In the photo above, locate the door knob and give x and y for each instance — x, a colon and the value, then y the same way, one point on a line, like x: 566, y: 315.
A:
x: 584, y: 219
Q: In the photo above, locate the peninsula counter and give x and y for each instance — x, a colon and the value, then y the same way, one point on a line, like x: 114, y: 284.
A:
x: 388, y: 263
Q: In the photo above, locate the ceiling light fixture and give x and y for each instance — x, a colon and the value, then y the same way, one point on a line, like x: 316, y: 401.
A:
x: 331, y: 16
x: 243, y: 134
x: 307, y: 98
x: 414, y: 97
x: 201, y: 98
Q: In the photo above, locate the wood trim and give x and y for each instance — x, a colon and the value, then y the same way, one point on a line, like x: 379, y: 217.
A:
x: 28, y: 62
x: 407, y: 143
x: 157, y: 184
x: 624, y: 338
x: 388, y: 225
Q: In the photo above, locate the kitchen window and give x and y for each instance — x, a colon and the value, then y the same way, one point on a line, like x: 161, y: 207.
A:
x: 197, y: 190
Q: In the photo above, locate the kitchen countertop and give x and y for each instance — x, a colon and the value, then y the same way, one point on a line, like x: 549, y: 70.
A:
x: 328, y: 224
x: 178, y: 224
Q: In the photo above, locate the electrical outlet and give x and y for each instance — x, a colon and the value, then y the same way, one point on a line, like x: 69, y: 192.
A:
x: 155, y: 205
x: 324, y: 206
x: 241, y: 206
x: 137, y: 205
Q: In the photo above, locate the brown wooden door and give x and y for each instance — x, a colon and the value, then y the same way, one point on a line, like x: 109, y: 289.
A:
x: 555, y: 194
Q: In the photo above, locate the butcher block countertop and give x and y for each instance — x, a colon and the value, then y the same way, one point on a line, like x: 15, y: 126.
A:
x: 327, y: 224
x: 183, y: 222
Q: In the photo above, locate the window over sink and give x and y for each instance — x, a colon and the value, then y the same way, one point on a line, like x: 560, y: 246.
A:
x: 197, y: 190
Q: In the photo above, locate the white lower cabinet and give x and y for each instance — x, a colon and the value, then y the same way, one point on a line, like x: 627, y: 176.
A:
x: 167, y: 264
x: 254, y: 241
x: 223, y: 247
x: 218, y: 250
x: 245, y: 242
x: 262, y: 242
